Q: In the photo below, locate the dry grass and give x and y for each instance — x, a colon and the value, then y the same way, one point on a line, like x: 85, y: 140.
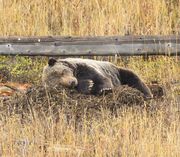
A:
x: 89, y: 17
x: 133, y: 131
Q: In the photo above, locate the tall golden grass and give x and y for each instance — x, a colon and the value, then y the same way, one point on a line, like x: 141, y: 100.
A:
x: 134, y: 132
x: 89, y: 17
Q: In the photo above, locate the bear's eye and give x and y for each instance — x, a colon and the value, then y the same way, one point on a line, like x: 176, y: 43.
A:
x: 64, y: 72
x: 55, y: 73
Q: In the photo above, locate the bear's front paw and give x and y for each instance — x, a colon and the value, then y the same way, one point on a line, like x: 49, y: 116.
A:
x: 85, y: 86
x: 105, y: 91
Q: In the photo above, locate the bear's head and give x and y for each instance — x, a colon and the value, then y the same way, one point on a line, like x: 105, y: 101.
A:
x: 57, y: 73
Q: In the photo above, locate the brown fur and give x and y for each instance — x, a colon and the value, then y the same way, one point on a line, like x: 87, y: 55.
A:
x: 90, y: 76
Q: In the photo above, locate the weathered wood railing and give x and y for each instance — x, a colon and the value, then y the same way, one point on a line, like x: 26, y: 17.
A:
x: 87, y: 46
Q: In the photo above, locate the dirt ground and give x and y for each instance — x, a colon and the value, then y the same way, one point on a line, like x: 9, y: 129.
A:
x: 40, y: 101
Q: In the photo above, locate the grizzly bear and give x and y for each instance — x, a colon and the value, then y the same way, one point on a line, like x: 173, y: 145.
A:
x: 90, y: 76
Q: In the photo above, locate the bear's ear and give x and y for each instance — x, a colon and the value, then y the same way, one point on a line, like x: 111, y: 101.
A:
x: 51, y: 61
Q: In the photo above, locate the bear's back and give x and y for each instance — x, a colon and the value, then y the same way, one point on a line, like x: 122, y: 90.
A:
x: 107, y: 69
x: 89, y: 62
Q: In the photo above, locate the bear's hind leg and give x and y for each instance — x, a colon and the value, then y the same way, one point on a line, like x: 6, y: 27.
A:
x: 129, y: 78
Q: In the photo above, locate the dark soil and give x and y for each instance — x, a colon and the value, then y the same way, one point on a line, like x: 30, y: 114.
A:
x: 41, y: 102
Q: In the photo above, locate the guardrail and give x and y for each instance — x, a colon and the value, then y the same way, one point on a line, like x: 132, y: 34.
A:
x: 87, y: 46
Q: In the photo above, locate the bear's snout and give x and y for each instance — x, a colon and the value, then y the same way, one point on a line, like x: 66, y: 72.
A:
x: 73, y: 84
x: 69, y: 82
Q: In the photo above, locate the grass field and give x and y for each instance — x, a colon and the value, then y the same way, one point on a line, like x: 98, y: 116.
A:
x: 134, y: 131
x: 94, y: 17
